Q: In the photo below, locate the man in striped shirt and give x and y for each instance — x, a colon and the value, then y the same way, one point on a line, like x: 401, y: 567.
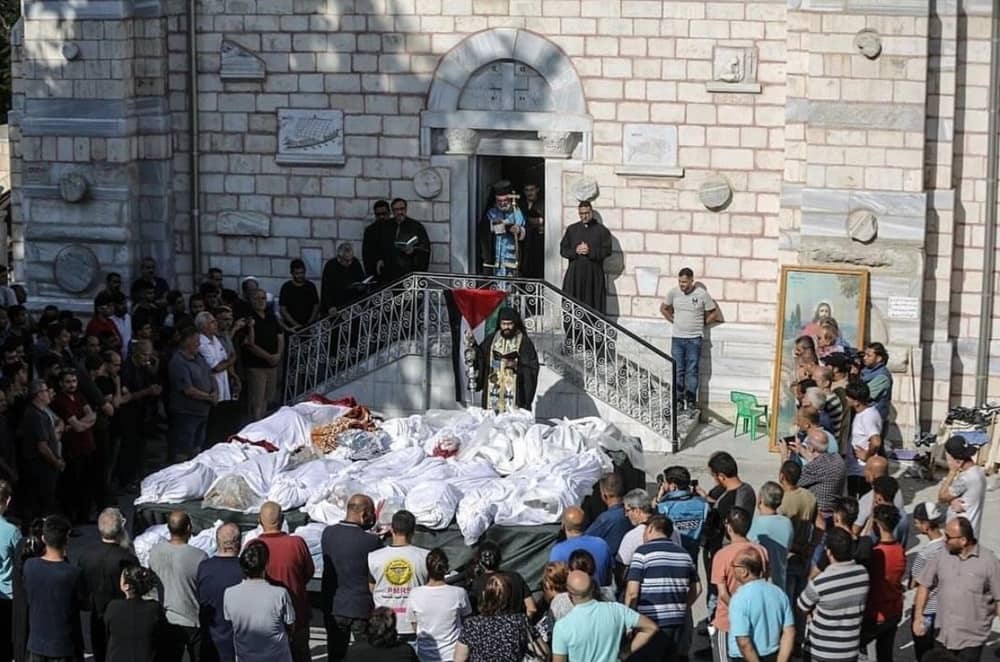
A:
x: 662, y: 581
x: 834, y: 602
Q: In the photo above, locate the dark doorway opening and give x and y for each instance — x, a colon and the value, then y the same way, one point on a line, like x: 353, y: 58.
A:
x: 520, y: 171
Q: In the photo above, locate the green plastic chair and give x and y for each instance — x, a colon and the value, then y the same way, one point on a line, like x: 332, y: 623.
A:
x: 749, y: 412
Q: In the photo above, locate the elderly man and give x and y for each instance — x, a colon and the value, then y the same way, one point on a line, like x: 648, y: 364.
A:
x: 593, y: 630
x: 573, y: 524
x: 638, y: 509
x: 772, y: 530
x: 500, y: 232
x: 214, y: 576
x: 101, y: 571
x: 964, y: 488
x: 346, y: 594
x: 289, y: 565
x: 211, y: 348
x: 823, y: 473
x: 761, y: 623
x: 343, y: 280
x: 968, y: 581
x: 193, y: 392
x: 176, y: 562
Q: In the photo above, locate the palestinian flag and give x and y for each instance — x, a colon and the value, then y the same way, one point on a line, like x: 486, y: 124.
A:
x: 470, y: 310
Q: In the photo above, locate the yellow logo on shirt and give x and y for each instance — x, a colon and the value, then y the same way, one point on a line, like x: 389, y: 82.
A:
x: 399, y: 572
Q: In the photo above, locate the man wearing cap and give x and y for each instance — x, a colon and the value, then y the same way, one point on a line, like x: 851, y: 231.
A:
x: 506, y: 365
x: 502, y: 228
x: 967, y: 577
x: 928, y: 518
x: 964, y: 488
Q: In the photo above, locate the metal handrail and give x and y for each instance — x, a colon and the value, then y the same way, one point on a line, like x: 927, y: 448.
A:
x: 409, y: 317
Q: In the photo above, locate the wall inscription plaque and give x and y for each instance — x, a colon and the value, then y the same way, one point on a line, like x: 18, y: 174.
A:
x: 310, y: 137
x: 650, y: 150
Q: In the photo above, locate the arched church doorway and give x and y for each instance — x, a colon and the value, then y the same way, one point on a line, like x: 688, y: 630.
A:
x: 505, y: 104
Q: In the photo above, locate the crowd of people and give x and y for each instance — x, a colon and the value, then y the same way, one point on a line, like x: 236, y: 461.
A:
x: 794, y: 568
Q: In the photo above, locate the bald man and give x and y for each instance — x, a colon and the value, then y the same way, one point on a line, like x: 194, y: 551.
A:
x: 574, y: 523
x: 215, y: 575
x: 593, y: 630
x: 347, y: 598
x: 101, y: 567
x: 875, y: 467
x: 761, y: 623
x: 290, y: 565
x: 176, y: 562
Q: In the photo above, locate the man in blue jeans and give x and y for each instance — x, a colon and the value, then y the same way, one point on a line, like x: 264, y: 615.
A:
x: 689, y: 307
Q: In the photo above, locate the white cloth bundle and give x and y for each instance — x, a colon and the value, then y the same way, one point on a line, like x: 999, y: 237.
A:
x: 176, y: 483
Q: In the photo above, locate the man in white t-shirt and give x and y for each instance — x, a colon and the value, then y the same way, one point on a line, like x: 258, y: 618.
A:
x: 866, y: 437
x: 964, y: 488
x: 638, y: 508
x: 396, y: 570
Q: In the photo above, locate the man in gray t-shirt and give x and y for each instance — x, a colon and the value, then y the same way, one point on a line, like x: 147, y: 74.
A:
x: 176, y: 564
x: 689, y: 307
x: 261, y: 613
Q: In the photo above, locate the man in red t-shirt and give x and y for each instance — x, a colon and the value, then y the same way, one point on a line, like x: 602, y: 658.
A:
x: 81, y: 479
x: 101, y: 322
x: 737, y: 525
x: 290, y: 565
x: 885, y: 595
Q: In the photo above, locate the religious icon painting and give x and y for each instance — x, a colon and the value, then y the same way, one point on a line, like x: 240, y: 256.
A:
x: 821, y: 311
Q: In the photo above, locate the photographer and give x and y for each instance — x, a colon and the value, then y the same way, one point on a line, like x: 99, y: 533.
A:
x: 678, y: 500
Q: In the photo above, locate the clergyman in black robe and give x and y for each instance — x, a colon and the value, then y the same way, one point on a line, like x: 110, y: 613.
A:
x: 586, y: 245
x: 343, y: 281
x: 507, y: 366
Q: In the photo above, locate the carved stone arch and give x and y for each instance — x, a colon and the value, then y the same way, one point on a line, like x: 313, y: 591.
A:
x: 483, y: 48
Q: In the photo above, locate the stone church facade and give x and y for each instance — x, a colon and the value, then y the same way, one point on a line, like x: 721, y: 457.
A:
x: 729, y: 136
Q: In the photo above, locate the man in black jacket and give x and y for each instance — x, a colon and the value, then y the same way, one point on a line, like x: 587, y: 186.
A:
x: 405, y: 245
x: 101, y: 568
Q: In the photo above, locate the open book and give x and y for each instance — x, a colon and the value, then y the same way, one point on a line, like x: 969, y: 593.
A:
x: 412, y: 241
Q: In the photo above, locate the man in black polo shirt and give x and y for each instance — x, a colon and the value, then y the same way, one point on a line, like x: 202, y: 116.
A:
x: 347, y: 598
x: 262, y: 352
x: 298, y: 300
x: 41, y: 452
x: 138, y: 378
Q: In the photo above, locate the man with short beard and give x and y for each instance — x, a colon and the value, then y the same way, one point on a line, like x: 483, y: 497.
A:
x: 507, y: 365
x: 81, y: 479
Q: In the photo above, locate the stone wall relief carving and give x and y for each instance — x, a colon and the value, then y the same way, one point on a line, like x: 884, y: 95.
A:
x: 71, y: 50
x: 869, y: 43
x: 310, y: 137
x: 462, y: 141
x: 862, y: 226
x: 427, y: 183
x: 239, y: 63
x: 243, y: 224
x: 734, y: 69
x: 649, y: 150
x: 557, y: 143
x: 585, y: 189
x: 715, y: 192
x: 76, y: 268
x: 73, y: 187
